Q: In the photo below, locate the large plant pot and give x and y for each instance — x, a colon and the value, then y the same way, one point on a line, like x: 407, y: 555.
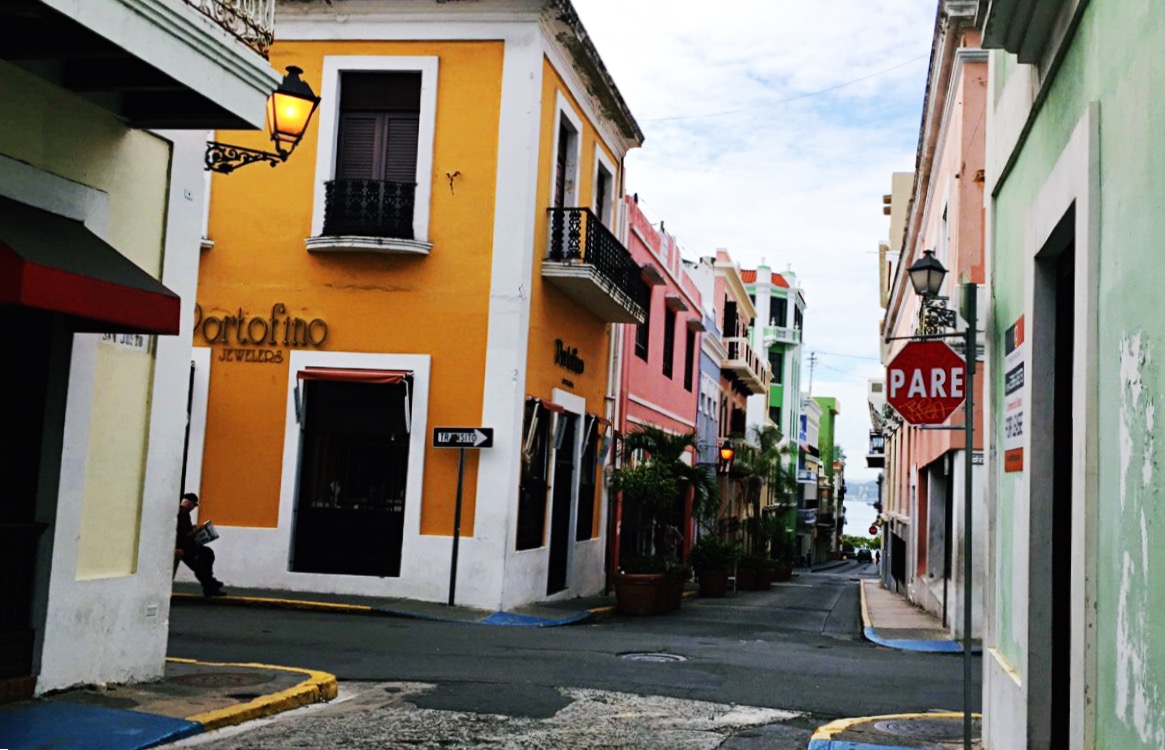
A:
x: 639, y: 594
x: 783, y: 573
x: 713, y: 583
x: 764, y: 579
x: 746, y: 579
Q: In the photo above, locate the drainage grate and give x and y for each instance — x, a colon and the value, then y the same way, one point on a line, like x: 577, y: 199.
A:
x: 220, y: 679
x: 657, y: 657
x: 929, y: 730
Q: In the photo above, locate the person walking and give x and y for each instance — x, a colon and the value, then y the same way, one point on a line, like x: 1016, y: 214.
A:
x: 198, y: 557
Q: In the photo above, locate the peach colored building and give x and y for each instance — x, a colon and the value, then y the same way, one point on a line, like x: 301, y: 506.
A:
x: 923, y: 495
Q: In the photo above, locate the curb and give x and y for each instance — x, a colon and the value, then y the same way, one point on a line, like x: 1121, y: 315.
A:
x: 920, y: 646
x: 596, y: 614
x: 510, y: 619
x: 319, y: 687
x: 822, y: 738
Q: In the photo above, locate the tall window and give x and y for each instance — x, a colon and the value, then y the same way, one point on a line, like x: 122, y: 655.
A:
x: 730, y: 319
x: 798, y: 318
x: 604, y: 194
x: 779, y: 310
x: 777, y: 362
x: 690, y: 355
x: 535, y: 477
x: 643, y: 330
x: 669, y: 340
x: 374, y: 188
x: 584, y: 522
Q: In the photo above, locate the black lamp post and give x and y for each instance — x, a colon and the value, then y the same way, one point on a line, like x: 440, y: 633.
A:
x: 289, y: 111
x: 926, y: 275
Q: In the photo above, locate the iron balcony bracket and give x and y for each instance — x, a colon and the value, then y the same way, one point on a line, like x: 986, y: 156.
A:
x: 225, y: 158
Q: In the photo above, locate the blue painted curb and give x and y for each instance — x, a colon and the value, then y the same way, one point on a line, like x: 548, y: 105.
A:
x: 77, y: 726
x: 846, y: 745
x: 505, y: 619
x: 932, y: 647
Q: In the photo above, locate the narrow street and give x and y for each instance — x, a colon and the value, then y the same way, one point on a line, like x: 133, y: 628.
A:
x: 758, y: 669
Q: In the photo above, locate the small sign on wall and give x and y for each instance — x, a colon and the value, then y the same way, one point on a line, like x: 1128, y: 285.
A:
x: 1014, y: 394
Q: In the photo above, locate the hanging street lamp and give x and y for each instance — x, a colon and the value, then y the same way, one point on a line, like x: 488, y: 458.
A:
x: 926, y: 276
x: 289, y: 111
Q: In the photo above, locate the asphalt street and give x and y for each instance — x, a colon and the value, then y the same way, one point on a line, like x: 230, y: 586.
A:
x: 796, y: 649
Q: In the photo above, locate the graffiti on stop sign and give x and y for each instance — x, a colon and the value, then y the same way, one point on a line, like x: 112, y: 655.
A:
x: 927, y: 381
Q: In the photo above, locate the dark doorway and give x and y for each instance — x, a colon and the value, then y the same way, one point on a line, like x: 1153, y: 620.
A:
x: 23, y: 422
x: 353, y: 477
x: 898, y: 561
x: 560, y: 508
x: 1060, y: 549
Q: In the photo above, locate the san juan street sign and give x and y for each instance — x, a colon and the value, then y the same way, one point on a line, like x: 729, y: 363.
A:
x: 926, y: 382
x: 463, y: 437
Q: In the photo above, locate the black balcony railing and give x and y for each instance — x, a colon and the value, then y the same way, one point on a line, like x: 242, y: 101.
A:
x: 577, y: 235
x: 369, y: 208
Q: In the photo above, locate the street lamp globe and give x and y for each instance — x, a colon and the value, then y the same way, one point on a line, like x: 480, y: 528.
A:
x: 927, y: 274
x: 289, y: 110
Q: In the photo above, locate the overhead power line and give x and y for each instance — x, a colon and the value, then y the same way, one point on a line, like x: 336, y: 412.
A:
x: 792, y: 98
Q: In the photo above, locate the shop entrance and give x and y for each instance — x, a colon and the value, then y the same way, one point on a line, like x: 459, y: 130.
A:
x: 353, y: 473
x: 22, y: 438
x: 564, y: 459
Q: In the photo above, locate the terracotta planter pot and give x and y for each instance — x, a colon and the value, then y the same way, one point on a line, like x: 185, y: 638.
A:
x: 764, y: 579
x: 639, y: 594
x: 713, y: 583
x: 746, y: 579
x: 783, y: 573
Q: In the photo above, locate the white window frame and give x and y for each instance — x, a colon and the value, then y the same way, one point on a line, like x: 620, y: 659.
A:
x: 414, y: 567
x: 329, y: 129
x: 604, y: 163
x: 567, y: 115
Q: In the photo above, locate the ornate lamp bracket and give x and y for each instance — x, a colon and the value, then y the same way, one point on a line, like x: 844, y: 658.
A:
x: 225, y: 158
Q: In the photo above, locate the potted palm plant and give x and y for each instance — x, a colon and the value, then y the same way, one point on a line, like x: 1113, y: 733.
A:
x: 651, y: 476
x: 712, y: 559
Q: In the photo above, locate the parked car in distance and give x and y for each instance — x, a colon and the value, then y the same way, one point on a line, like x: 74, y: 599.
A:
x: 847, y: 552
x: 865, y: 555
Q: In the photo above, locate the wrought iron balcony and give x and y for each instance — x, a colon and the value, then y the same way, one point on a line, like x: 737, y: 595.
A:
x: 251, y: 21
x: 590, y: 265
x: 369, y: 208
x: 749, y: 370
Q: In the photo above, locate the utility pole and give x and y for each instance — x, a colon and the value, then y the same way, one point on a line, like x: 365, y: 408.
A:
x: 812, y: 366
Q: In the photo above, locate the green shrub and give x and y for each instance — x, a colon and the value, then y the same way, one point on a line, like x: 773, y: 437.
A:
x: 712, y: 553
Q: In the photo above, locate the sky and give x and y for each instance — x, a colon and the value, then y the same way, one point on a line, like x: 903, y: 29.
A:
x: 771, y: 129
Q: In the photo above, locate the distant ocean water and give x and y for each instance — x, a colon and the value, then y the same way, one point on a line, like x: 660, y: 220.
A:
x: 858, y: 517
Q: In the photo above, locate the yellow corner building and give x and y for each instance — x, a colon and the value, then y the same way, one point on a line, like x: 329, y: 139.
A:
x: 440, y: 251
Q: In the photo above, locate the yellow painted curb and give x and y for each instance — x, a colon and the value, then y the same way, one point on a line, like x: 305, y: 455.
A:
x: 687, y: 595
x: 602, y: 612
x: 866, y: 621
x: 263, y: 601
x: 317, y: 688
x: 837, y: 727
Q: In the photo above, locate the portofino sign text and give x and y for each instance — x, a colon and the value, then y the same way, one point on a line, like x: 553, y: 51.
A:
x: 257, y: 332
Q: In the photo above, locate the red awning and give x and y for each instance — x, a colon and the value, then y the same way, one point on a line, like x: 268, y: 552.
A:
x: 52, y: 263
x: 380, y: 377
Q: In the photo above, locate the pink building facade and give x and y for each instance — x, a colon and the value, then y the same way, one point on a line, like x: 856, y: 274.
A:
x: 658, y: 364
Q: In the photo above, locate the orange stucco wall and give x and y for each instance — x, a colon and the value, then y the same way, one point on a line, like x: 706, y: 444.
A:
x: 433, y: 305
x: 553, y: 315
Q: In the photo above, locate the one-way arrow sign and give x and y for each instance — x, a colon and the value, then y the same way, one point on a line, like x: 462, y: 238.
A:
x: 463, y: 437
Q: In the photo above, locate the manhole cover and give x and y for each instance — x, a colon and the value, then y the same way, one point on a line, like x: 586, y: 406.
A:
x: 220, y: 679
x: 930, y: 730
x: 652, y: 656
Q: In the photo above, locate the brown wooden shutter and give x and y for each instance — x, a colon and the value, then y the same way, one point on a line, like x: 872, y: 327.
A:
x: 400, y: 156
x: 359, y: 136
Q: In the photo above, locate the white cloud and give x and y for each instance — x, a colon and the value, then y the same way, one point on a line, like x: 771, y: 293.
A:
x: 792, y: 182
